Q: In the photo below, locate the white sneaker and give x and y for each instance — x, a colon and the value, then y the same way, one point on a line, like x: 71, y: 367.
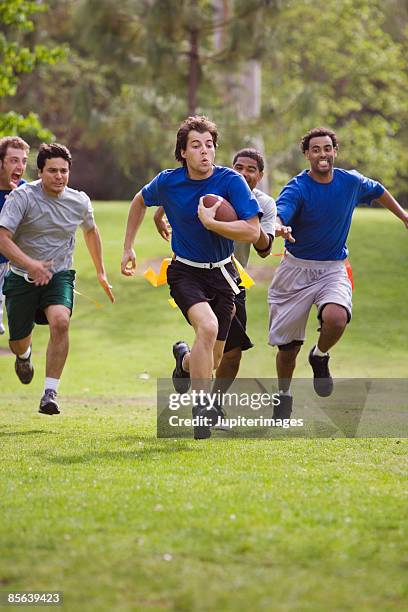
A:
x: 2, y: 329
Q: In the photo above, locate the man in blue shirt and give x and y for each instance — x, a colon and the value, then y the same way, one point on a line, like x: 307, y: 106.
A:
x: 13, y: 161
x: 318, y: 204
x: 201, y: 276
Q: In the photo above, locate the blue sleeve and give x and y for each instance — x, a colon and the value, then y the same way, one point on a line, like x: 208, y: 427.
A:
x: 13, y: 210
x: 288, y: 202
x: 151, y: 191
x: 243, y: 200
x: 369, y: 190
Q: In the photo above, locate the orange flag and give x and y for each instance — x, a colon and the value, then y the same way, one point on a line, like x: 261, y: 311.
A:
x: 349, y: 271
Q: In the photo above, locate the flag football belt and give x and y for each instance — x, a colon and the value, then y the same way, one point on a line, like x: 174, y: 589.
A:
x: 210, y: 266
x: 21, y: 273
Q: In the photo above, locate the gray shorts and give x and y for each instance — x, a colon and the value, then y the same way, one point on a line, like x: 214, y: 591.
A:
x: 296, y: 286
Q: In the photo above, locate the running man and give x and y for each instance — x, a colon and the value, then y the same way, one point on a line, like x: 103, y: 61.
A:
x: 250, y: 164
x: 318, y: 204
x: 201, y: 276
x: 37, y: 233
x: 13, y: 161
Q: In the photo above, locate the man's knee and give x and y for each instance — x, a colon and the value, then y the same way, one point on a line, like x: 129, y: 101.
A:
x: 233, y: 357
x: 207, y: 330
x: 334, y: 316
x: 295, y: 345
x: 288, y: 352
x: 59, y: 324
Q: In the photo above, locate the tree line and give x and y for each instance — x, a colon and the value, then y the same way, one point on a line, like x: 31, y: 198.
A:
x: 113, y: 80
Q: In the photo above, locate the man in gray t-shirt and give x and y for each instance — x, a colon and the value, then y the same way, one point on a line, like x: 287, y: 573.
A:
x: 268, y: 220
x: 37, y: 233
x: 248, y: 162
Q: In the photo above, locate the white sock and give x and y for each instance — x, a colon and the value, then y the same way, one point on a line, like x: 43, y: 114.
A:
x: 285, y: 392
x: 51, y: 383
x: 319, y: 353
x: 26, y: 354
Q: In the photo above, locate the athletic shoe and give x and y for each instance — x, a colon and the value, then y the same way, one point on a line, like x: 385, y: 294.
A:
x: 48, y: 405
x: 223, y: 416
x: 24, y: 369
x: 181, y: 378
x: 201, y: 432
x: 2, y: 329
x: 322, y: 380
x: 284, y: 409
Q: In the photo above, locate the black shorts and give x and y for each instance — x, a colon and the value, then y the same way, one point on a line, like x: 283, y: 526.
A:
x: 237, y: 336
x: 189, y: 286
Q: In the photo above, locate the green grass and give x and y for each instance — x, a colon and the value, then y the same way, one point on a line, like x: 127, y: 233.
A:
x: 94, y: 505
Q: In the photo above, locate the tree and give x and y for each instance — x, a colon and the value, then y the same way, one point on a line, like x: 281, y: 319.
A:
x: 17, y: 59
x: 137, y: 67
x: 341, y: 69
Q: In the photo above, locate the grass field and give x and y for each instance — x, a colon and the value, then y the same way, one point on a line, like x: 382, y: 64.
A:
x: 94, y: 505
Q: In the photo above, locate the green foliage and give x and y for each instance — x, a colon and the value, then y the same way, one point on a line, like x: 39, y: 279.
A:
x: 18, y: 12
x: 12, y: 124
x: 125, y: 85
x: 17, y: 59
x: 341, y: 70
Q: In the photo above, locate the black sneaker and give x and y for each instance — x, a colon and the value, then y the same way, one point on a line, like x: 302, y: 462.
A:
x: 322, y: 380
x: 284, y: 409
x: 222, y: 415
x: 24, y: 369
x: 181, y: 378
x: 48, y: 405
x: 201, y: 432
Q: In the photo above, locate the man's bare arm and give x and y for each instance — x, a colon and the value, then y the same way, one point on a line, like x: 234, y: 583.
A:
x: 162, y: 226
x: 263, y: 246
x: 244, y: 230
x: 38, y: 271
x: 136, y: 215
x: 284, y: 231
x: 94, y: 244
x: 389, y: 202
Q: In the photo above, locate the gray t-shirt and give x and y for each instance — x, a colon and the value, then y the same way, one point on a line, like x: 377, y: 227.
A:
x: 44, y: 227
x: 268, y: 220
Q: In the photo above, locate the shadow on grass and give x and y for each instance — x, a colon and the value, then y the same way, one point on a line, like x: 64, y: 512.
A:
x: 25, y: 433
x: 152, y: 449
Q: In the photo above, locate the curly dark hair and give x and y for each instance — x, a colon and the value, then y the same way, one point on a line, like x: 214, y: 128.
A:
x: 200, y: 124
x: 315, y: 133
x: 253, y: 154
x: 49, y: 151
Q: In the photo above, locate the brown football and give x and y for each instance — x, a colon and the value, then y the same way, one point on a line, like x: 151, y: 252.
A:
x: 226, y: 212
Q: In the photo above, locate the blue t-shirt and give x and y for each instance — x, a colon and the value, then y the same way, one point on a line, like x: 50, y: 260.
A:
x: 3, y: 194
x: 320, y: 213
x: 179, y: 195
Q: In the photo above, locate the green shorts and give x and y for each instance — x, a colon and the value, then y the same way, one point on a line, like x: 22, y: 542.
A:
x: 25, y: 302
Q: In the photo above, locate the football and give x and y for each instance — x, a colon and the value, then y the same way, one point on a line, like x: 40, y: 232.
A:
x: 226, y: 212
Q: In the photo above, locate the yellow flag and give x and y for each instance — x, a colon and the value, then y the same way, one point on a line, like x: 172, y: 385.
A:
x: 94, y: 302
x: 246, y: 280
x: 158, y: 279
x: 151, y: 276
x: 162, y: 276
